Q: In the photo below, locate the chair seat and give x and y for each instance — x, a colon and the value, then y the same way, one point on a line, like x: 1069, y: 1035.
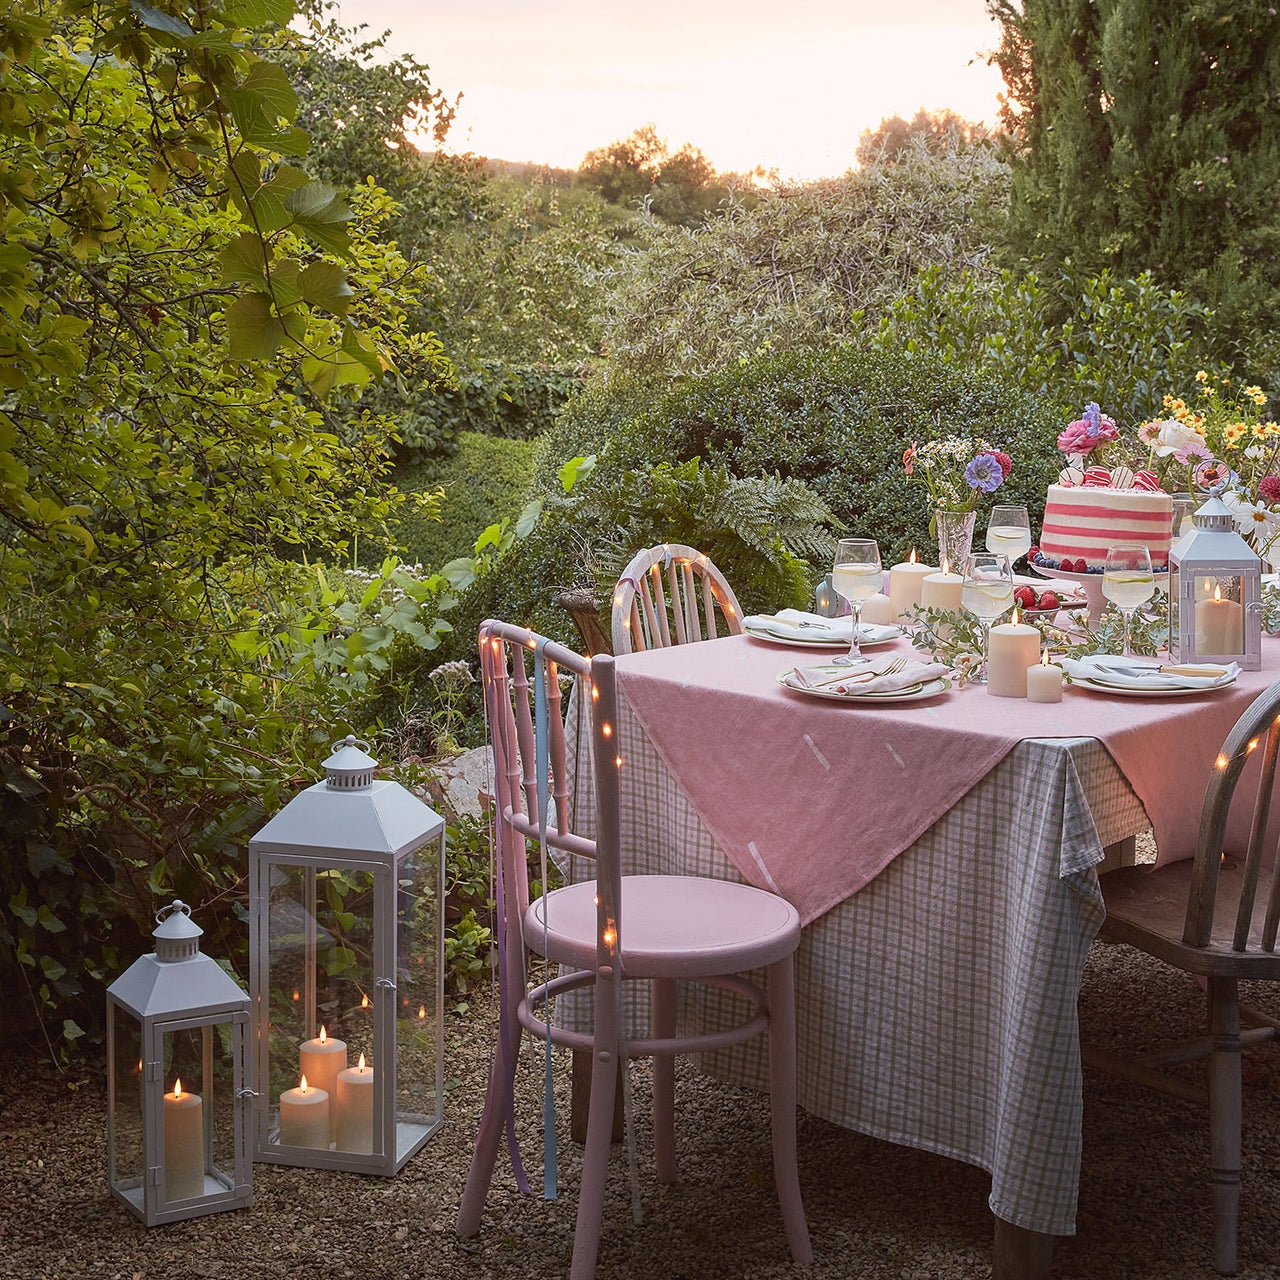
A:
x: 1147, y: 907
x: 673, y: 927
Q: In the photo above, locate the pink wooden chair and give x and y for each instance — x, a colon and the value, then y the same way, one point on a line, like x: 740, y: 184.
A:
x: 647, y: 615
x: 1215, y: 918
x: 643, y: 929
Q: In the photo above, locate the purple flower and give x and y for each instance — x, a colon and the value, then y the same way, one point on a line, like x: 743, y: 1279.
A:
x: 985, y: 473
x: 1092, y: 417
x: 1192, y: 449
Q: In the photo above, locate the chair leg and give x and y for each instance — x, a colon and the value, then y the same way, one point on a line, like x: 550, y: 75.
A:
x: 595, y: 1156
x: 664, y: 1082
x: 782, y: 1105
x: 489, y: 1139
x: 1224, y: 1119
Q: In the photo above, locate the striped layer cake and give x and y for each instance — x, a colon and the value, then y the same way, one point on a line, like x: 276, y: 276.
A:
x: 1081, y: 522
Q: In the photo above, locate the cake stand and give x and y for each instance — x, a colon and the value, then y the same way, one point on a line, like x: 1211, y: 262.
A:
x: 1091, y: 585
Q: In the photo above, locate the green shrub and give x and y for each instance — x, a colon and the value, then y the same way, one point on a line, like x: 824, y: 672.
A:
x: 484, y: 482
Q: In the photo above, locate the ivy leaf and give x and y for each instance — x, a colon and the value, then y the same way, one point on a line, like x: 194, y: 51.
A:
x: 71, y: 1030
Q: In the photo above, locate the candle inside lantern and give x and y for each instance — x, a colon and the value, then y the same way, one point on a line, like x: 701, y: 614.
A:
x: 320, y: 1060
x: 1013, y: 647
x: 1219, y: 626
x: 304, y: 1116
x: 1044, y: 681
x: 355, y: 1109
x: 905, y: 583
x: 183, y: 1144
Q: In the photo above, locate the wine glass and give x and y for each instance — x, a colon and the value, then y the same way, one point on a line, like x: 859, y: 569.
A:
x: 1009, y: 532
x: 987, y: 592
x: 856, y: 576
x: 1127, y: 582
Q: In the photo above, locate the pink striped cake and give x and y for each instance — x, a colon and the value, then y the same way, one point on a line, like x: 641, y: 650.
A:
x: 1081, y: 522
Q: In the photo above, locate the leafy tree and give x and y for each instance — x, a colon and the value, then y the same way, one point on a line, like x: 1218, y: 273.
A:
x: 176, y: 291
x: 1149, y: 143
x: 941, y: 131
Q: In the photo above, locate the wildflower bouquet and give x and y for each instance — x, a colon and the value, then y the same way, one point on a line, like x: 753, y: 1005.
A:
x: 957, y: 469
x: 1228, y: 444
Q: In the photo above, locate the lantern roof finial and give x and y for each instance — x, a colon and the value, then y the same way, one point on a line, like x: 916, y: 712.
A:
x: 351, y: 767
x: 177, y: 935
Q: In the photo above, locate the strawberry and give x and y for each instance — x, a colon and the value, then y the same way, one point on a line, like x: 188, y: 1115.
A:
x: 1049, y: 600
x: 1026, y: 597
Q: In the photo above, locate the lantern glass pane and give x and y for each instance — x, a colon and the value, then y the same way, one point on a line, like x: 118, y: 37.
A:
x: 186, y: 1111
x: 321, y: 977
x: 128, y: 1152
x: 1219, y: 621
x: 418, y: 1102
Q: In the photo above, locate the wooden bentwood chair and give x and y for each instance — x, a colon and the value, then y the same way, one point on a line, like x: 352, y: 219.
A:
x: 1216, y: 918
x: 647, y: 616
x: 615, y: 929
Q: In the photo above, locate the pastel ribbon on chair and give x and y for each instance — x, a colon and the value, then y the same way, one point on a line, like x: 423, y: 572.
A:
x: 542, y: 769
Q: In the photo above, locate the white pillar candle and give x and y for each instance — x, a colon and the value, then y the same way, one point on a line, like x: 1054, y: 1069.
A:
x: 905, y: 583
x: 304, y: 1117
x: 941, y: 591
x: 1044, y: 681
x: 1219, y: 626
x: 355, y: 1109
x: 183, y: 1144
x: 1013, y: 648
x: 879, y: 610
x: 320, y: 1060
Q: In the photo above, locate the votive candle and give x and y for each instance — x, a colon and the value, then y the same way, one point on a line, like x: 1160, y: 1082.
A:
x: 878, y: 610
x: 1044, y: 681
x: 304, y: 1116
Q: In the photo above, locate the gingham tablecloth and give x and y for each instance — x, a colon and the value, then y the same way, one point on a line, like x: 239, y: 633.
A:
x: 937, y: 1006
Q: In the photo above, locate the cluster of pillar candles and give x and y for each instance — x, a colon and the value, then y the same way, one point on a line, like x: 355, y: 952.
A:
x: 1015, y: 666
x: 332, y: 1105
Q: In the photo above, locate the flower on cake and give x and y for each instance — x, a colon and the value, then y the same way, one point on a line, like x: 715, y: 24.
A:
x: 1088, y: 435
x: 956, y: 469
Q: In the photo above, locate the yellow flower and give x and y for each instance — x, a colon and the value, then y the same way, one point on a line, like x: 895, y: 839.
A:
x: 1259, y: 431
x: 1202, y: 376
x: 1231, y: 435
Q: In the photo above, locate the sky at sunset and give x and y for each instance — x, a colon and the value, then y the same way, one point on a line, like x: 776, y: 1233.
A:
x: 787, y: 85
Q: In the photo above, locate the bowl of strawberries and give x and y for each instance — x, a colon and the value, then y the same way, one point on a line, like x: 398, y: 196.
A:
x: 1044, y: 602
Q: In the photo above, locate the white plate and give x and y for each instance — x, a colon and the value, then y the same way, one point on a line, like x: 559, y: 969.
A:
x: 913, y: 693
x: 798, y: 642
x: 1127, y: 691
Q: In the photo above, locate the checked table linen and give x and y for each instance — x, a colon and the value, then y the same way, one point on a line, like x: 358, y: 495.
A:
x: 936, y: 1004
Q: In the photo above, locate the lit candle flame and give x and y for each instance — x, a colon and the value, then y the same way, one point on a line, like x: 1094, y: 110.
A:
x: 302, y: 1085
x: 911, y: 559
x: 1015, y: 617
x: 295, y: 995
x: 364, y: 1001
x: 323, y: 1037
x: 1217, y: 593
x: 177, y: 1088
x: 362, y: 1066
x: 422, y: 1011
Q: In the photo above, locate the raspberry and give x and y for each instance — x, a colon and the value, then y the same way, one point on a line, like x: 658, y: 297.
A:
x: 1034, y: 553
x: 1077, y: 566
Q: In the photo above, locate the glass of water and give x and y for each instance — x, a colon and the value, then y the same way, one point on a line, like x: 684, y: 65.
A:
x: 1127, y: 581
x: 987, y: 592
x: 856, y: 576
x: 1009, y: 532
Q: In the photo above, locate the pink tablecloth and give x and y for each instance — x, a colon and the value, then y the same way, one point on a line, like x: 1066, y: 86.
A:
x: 773, y: 773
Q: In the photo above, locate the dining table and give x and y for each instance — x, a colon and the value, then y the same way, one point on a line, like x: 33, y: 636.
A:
x: 943, y: 853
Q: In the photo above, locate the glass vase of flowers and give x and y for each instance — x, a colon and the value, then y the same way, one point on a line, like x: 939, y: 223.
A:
x: 956, y: 470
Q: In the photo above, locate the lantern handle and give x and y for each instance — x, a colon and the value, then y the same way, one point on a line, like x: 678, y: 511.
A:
x: 176, y: 905
x: 351, y: 741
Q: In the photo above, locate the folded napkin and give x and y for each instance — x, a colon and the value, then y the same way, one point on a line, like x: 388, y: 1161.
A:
x: 796, y: 624
x: 1145, y: 673
x: 868, y: 678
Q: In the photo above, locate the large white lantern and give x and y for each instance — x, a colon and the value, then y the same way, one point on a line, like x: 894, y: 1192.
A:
x: 346, y: 907
x: 1215, y: 592
x: 177, y: 1114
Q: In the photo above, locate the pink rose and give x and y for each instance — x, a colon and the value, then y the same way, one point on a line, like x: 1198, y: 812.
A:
x: 1083, y: 436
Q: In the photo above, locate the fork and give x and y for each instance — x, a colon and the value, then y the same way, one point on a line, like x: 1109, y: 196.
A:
x: 894, y: 667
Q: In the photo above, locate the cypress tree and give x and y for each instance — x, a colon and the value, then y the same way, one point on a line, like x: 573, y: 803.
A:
x: 1149, y: 140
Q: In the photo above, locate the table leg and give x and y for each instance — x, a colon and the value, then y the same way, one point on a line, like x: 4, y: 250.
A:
x: 1021, y: 1254
x: 1123, y: 853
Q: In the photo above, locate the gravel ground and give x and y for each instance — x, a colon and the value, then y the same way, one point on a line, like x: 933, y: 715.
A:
x: 875, y: 1210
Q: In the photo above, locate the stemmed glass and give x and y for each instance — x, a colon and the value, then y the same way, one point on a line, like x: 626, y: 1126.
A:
x: 856, y: 576
x: 1009, y: 532
x: 1127, y: 582
x: 987, y: 592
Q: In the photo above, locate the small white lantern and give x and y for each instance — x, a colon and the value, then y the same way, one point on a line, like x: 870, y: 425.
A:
x: 1215, y: 592
x: 177, y: 1119
x: 346, y: 911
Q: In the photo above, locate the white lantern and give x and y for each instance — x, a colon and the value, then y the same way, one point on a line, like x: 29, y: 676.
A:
x: 1215, y: 592
x: 346, y: 909
x: 177, y: 1115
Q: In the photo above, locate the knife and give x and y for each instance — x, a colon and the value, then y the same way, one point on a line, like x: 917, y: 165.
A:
x: 1156, y: 668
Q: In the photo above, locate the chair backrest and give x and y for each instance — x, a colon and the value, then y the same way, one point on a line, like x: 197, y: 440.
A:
x: 519, y: 670
x: 1258, y: 727
x: 649, y: 615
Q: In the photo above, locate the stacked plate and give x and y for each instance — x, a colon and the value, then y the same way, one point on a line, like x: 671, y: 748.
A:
x: 1147, y: 677
x: 799, y: 630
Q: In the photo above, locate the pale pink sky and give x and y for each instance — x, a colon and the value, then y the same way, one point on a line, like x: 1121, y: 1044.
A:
x: 788, y: 83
